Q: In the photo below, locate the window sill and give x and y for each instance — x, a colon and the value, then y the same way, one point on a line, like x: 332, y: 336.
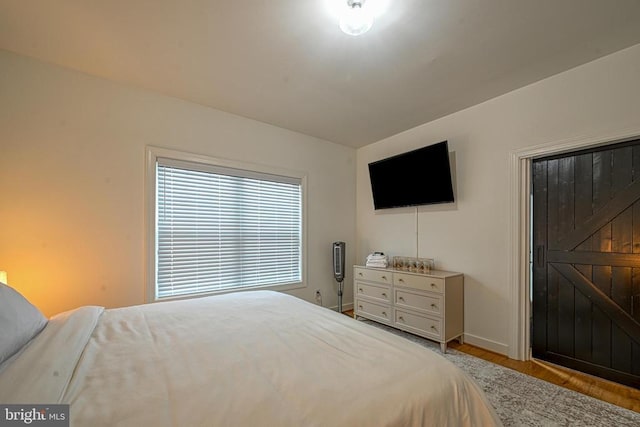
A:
x: 285, y: 287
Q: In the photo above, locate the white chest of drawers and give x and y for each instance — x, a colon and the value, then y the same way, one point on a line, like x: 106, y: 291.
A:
x: 429, y: 305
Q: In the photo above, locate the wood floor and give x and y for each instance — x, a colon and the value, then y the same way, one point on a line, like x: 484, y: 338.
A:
x: 608, y: 391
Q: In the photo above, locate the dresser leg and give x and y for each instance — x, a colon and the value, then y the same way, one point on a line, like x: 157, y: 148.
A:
x: 443, y: 347
x: 461, y: 339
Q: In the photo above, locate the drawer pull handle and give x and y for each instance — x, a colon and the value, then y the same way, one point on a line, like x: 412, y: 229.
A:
x: 434, y: 306
x: 384, y: 313
x: 434, y: 328
x: 384, y: 277
x: 384, y: 295
x: 401, y: 280
x: 400, y: 298
x: 360, y: 290
x: 360, y: 307
x: 360, y: 273
x: 433, y: 285
x: 401, y: 318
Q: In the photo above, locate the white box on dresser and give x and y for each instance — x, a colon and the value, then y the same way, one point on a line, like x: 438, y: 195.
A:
x: 430, y: 305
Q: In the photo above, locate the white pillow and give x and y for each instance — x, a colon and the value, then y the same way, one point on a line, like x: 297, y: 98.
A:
x: 19, y: 322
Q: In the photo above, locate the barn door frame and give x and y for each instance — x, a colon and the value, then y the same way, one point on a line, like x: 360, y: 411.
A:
x: 519, y: 226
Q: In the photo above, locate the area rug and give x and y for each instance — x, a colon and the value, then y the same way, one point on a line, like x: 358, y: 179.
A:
x: 522, y: 400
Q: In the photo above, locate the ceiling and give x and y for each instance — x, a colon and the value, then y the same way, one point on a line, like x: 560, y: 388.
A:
x: 287, y: 63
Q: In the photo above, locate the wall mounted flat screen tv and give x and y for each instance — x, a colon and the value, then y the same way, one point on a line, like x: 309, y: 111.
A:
x: 418, y: 177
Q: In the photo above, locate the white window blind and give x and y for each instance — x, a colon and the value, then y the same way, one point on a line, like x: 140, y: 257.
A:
x: 220, y: 228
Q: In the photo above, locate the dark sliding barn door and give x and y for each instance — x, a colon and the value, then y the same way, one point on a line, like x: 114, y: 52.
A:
x: 586, y: 261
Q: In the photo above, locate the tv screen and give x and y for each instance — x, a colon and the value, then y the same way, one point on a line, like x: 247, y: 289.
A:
x: 418, y: 177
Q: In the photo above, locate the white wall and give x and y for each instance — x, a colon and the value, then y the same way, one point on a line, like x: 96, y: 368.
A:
x: 471, y: 236
x: 72, y: 159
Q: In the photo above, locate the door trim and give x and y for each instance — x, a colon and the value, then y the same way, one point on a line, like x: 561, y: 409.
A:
x: 519, y: 225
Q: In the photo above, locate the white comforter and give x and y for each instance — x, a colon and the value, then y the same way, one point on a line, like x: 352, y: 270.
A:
x: 246, y: 359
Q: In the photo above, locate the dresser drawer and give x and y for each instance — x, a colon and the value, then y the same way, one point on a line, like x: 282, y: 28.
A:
x: 420, y: 324
x: 375, y: 311
x: 379, y: 276
x: 380, y: 292
x: 431, y: 303
x: 424, y: 283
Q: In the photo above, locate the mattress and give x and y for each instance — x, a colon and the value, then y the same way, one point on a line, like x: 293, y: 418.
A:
x: 245, y: 359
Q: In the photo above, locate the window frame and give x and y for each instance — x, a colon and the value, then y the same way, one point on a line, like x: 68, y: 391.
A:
x: 152, y: 156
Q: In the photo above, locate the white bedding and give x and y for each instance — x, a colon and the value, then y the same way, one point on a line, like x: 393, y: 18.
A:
x: 245, y: 359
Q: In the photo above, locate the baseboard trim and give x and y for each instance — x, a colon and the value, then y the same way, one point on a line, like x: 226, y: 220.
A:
x: 496, y: 347
x: 345, y: 307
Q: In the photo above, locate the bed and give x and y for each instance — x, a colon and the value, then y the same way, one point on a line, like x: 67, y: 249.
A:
x: 257, y: 358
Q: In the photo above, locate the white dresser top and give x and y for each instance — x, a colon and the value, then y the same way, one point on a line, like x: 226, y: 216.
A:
x: 433, y: 273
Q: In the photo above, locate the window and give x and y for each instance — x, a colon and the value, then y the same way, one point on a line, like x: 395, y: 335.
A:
x: 221, y: 226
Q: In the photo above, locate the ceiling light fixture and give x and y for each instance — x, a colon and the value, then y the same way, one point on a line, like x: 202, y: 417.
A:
x: 356, y: 19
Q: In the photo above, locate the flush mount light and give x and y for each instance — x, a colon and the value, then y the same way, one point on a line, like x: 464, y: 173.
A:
x: 356, y: 19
